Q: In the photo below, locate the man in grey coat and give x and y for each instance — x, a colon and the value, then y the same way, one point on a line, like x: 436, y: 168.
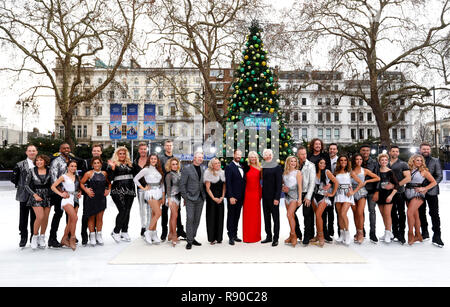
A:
x: 19, y: 175
x: 434, y: 166
x: 194, y: 195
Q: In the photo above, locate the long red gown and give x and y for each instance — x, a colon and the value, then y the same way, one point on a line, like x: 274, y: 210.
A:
x: 251, y: 219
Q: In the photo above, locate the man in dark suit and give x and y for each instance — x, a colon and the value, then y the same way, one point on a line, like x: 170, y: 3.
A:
x: 434, y: 166
x: 235, y: 189
x: 271, y: 191
x: 20, y: 172
x: 193, y: 192
x: 96, y: 152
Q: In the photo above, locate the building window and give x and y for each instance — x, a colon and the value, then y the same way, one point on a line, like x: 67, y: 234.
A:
x: 295, y: 133
x: 173, y: 110
x: 361, y: 134
x: 328, y: 101
x: 319, y: 101
x: 305, y: 133
x: 124, y: 130
x: 336, y: 116
x: 160, y: 130
x: 304, y: 117
x: 337, y: 133
x: 171, y: 130
x: 328, y: 134
x: 394, y: 134
x: 148, y: 93
x: 295, y: 116
x: 320, y: 133
x: 320, y: 116
x: 303, y: 101
x: 369, y: 117
x: 287, y: 116
x: 111, y: 94
x: 124, y: 110
x: 353, y: 133
x: 99, y: 110
x: 353, y: 117
x: 99, y: 130
x: 124, y: 94
x: 160, y: 110
x: 61, y: 131
x: 136, y: 81
x: 100, y: 95
x: 328, y: 116
x: 361, y: 117
x: 136, y: 93
x: 352, y: 102
x: 75, y: 111
x: 402, y: 134
x: 369, y: 133
x: 87, y: 111
x: 99, y: 81
x: 160, y: 94
x: 361, y: 102
x: 85, y: 131
x: 336, y: 101
x: 197, y: 131
x: 79, y: 131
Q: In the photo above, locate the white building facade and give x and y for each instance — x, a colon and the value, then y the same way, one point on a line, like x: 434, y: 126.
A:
x: 316, y: 112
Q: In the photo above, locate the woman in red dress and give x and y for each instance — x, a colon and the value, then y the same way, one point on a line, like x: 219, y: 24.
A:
x: 251, y: 220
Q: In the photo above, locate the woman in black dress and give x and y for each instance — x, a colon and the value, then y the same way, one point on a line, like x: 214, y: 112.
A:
x: 122, y: 191
x: 38, y: 184
x: 386, y: 190
x: 96, y: 186
x: 214, y: 179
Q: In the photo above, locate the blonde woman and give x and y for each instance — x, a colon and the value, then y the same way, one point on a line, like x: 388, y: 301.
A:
x: 251, y: 215
x: 415, y: 194
x: 173, y: 195
x: 214, y: 179
x: 122, y: 191
x: 292, y: 179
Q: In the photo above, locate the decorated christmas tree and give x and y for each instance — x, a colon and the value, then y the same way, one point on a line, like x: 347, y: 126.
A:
x: 254, y: 105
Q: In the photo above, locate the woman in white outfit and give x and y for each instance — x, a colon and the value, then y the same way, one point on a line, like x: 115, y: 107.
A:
x: 344, y: 196
x: 154, y: 193
x: 70, y: 194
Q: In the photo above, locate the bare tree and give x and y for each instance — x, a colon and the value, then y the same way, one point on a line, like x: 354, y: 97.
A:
x: 379, y: 45
x: 66, y: 37
x: 205, y: 34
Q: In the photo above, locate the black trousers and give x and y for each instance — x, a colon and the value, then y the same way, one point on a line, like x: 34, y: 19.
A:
x: 165, y: 221
x: 298, y: 232
x: 55, y: 201
x: 271, y: 212
x: 398, y: 215
x: 233, y: 215
x: 328, y: 219
x: 123, y: 204
x: 26, y: 211
x: 214, y: 220
x: 433, y: 205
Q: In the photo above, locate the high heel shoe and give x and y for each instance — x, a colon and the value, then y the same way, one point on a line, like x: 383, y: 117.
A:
x: 321, y: 238
x: 418, y: 237
x: 288, y: 240
x: 410, y: 238
x: 73, y: 243
x: 360, y: 236
x: 293, y: 239
x: 65, y: 242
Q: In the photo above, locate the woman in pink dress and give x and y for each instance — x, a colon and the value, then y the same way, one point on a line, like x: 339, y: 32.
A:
x: 251, y: 220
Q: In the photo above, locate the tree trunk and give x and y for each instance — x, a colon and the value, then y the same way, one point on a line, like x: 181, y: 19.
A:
x: 67, y: 122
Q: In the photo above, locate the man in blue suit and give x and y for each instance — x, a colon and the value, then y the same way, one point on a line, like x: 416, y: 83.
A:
x: 235, y: 189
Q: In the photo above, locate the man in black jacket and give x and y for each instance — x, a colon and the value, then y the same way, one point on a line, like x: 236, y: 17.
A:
x: 431, y: 197
x: 272, y: 180
x: 20, y: 172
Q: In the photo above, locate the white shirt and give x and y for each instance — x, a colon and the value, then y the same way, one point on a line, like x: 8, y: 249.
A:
x: 240, y: 168
x: 333, y: 163
x: 30, y: 163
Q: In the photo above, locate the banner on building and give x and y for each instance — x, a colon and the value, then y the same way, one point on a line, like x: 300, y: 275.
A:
x: 149, y: 122
x: 115, y: 123
x: 132, y: 121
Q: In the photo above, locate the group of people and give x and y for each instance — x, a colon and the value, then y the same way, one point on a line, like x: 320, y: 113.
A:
x: 322, y: 182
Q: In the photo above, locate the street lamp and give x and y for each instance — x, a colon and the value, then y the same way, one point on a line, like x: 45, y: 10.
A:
x: 23, y: 104
x: 435, y: 125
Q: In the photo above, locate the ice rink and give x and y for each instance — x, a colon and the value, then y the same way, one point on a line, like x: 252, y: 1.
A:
x: 387, y: 265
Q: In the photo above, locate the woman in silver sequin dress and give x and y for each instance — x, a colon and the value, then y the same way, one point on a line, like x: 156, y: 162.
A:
x: 361, y: 195
x: 172, y: 179
x: 415, y: 193
x: 292, y: 178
